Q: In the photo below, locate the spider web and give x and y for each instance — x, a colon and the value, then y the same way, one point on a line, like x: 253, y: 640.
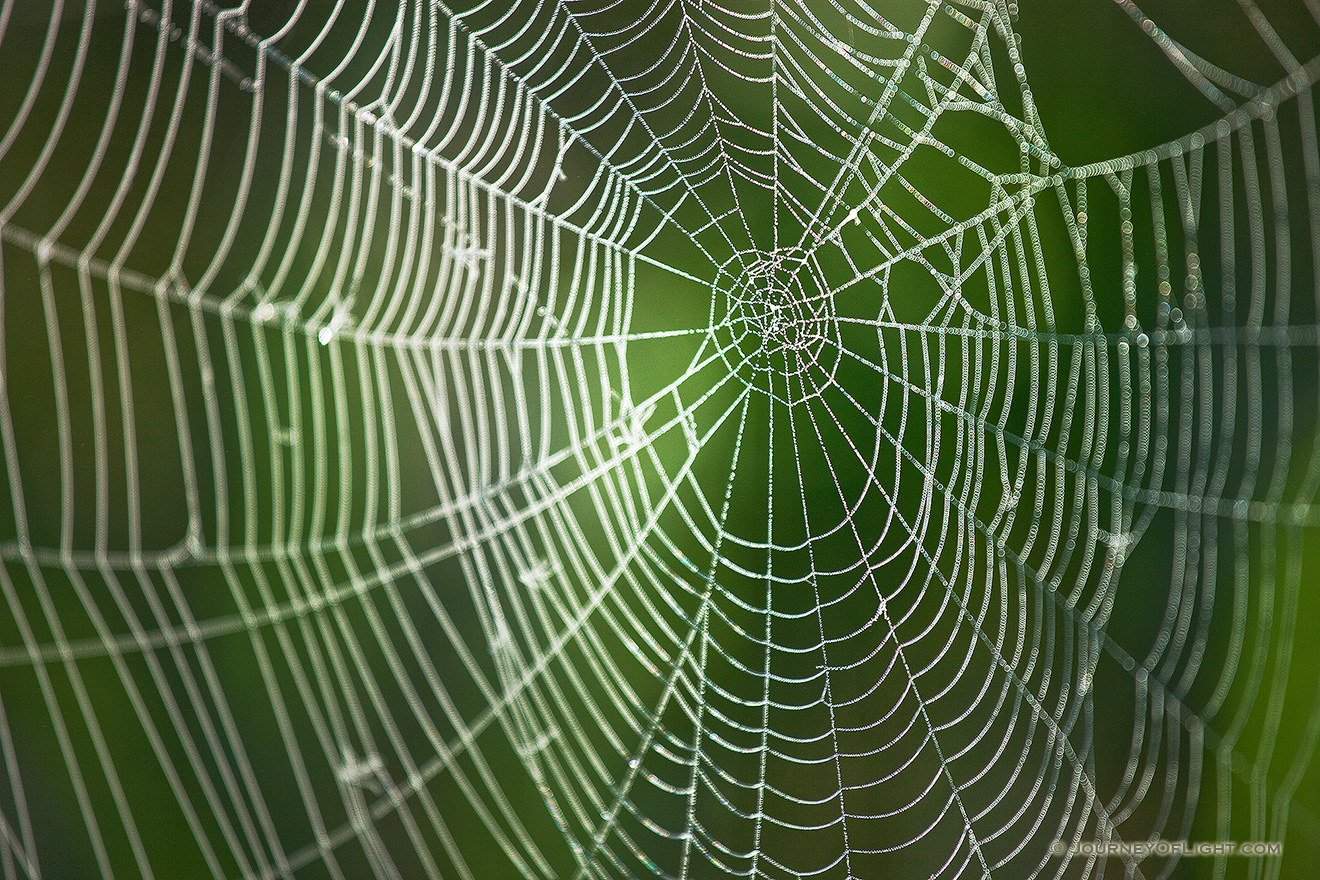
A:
x: 625, y: 440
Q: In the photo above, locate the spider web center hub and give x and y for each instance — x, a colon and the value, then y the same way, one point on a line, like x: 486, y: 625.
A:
x: 775, y: 323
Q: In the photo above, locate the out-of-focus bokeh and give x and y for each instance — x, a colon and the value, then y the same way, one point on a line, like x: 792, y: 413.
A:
x: 587, y: 439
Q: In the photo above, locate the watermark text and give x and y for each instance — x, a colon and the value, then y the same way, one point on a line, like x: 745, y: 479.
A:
x: 1142, y: 849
